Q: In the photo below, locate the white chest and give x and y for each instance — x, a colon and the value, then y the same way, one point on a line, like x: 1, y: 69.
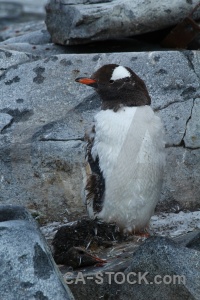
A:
x: 111, y: 131
x: 130, y: 146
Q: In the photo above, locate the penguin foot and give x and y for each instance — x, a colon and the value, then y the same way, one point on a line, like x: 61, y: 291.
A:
x: 144, y: 233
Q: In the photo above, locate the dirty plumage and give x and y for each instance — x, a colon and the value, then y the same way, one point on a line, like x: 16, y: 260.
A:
x: 125, y: 156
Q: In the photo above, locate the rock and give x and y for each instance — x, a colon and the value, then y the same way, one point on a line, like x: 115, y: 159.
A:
x: 33, y: 38
x: 160, y: 256
x: 92, y: 20
x: 23, y: 35
x: 19, y: 11
x: 6, y: 59
x: 182, y: 176
x: 195, y: 242
x: 37, y: 50
x: 176, y: 225
x: 158, y: 267
x: 10, y: 10
x: 174, y: 118
x: 12, y: 212
x: 50, y: 113
x: 38, y: 37
x: 5, y: 120
x: 15, y: 30
x: 49, y: 49
x: 27, y: 267
x: 30, y: 41
x: 192, y: 135
x: 189, y: 240
x: 36, y: 7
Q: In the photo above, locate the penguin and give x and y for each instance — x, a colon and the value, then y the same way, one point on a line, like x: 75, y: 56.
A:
x: 125, y: 153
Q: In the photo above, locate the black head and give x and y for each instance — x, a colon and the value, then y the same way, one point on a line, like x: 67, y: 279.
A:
x: 118, y: 86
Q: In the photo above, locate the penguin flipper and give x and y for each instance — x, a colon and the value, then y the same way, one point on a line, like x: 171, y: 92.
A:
x: 95, y: 182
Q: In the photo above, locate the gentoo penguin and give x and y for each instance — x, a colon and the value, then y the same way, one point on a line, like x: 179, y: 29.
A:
x: 126, y: 154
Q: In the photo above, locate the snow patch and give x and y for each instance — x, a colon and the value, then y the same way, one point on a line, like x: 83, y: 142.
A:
x: 173, y: 225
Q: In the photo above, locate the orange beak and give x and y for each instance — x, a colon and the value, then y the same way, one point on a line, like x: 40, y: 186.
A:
x: 85, y: 80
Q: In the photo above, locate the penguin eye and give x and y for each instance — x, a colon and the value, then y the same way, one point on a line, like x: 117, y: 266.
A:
x: 111, y: 81
x: 127, y: 79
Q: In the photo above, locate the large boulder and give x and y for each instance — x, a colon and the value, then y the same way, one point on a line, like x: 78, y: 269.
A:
x: 27, y: 267
x: 159, y: 268
x: 86, y: 21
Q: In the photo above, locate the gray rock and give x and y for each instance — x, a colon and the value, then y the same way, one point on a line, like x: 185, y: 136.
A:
x: 13, y: 58
x: 27, y: 267
x: 19, y: 11
x: 22, y: 36
x: 16, y: 30
x: 50, y: 113
x: 160, y: 256
x: 190, y: 240
x: 195, y: 242
x: 10, y: 10
x: 182, y: 174
x: 70, y: 2
x: 31, y: 41
x: 175, y: 118
x: 49, y: 49
x: 13, y: 212
x: 37, y: 37
x: 159, y: 267
x: 36, y: 7
x: 192, y: 135
x: 5, y: 120
x: 33, y: 38
x: 89, y: 21
x: 44, y: 50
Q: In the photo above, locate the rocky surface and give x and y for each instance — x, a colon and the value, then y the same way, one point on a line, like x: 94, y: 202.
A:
x: 91, y: 20
x: 163, y: 257
x: 33, y: 38
x: 192, y: 135
x: 28, y: 270
x: 156, y: 268
x: 44, y: 114
x: 172, y: 225
x: 19, y: 29
x: 9, y: 7
x: 194, y: 243
x: 27, y: 267
x: 175, y: 224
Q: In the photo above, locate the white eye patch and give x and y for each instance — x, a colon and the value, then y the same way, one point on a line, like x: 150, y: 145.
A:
x: 119, y: 73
